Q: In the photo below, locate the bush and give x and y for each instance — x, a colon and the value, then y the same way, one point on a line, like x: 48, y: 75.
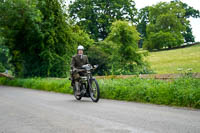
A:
x: 97, y: 56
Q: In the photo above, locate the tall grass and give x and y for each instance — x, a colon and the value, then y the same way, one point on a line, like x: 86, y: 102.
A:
x: 47, y: 84
x: 180, y: 92
x: 183, y: 92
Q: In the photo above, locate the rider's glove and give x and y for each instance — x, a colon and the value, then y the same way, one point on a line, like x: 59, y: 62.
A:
x: 74, y: 69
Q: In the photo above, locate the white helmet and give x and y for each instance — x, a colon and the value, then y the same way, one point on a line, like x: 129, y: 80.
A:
x: 80, y: 47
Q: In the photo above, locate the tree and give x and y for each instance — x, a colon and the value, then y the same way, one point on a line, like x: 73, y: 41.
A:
x: 122, y: 45
x: 96, y: 16
x: 188, y: 35
x: 97, y: 55
x: 41, y: 41
x: 20, y: 34
x: 166, y: 21
x: 190, y: 12
x: 159, y: 40
x: 143, y: 20
x: 57, y: 44
x: 81, y: 38
x: 125, y: 38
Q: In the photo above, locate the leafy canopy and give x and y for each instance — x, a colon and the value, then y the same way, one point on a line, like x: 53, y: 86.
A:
x: 39, y: 37
x: 96, y: 16
x: 166, y: 23
x: 125, y: 39
x: 122, y: 45
x: 144, y: 20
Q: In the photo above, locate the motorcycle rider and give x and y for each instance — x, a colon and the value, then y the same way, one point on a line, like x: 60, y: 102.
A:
x: 77, y: 62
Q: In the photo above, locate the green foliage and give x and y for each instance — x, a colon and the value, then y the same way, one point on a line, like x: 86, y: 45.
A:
x: 4, y: 58
x: 96, y: 16
x: 166, y: 24
x: 122, y: 45
x: 162, y: 39
x: 97, y: 55
x: 48, y: 84
x: 2, y: 68
x: 20, y: 35
x: 180, y: 92
x: 183, y: 92
x: 190, y: 12
x: 125, y: 39
x: 57, y: 41
x: 81, y: 38
x: 189, y: 37
x: 118, y: 53
x: 144, y: 20
x: 41, y: 41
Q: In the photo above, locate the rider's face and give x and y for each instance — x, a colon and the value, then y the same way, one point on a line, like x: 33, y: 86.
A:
x: 80, y: 51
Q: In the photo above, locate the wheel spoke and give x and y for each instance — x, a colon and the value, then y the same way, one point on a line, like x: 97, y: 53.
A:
x: 94, y: 91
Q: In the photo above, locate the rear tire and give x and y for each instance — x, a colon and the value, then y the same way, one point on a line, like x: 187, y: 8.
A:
x: 94, y: 90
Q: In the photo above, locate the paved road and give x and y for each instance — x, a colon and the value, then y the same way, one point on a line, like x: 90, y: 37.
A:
x: 31, y: 111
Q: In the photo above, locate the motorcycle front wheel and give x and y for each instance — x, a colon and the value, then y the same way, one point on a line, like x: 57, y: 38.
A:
x: 94, y: 90
x: 76, y: 96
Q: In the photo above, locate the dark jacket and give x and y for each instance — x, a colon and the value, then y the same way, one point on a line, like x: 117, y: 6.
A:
x: 77, y: 61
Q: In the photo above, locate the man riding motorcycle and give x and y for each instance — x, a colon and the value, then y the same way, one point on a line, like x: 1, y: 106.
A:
x: 77, y: 62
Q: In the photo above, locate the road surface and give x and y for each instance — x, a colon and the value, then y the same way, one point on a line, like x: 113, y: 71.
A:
x: 30, y: 111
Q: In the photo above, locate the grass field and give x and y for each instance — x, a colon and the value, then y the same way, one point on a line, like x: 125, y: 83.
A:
x: 172, y: 61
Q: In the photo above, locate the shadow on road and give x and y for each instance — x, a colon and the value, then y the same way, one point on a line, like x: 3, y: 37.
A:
x: 80, y: 101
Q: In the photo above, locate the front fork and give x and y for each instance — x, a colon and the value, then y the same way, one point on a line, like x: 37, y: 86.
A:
x: 90, y: 78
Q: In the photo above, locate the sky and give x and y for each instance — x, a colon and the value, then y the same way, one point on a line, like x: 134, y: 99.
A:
x: 193, y: 3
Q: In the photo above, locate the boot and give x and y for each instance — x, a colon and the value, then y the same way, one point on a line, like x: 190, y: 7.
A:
x: 72, y: 83
x: 78, y: 92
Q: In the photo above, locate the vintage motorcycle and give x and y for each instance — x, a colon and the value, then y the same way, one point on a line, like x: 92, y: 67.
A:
x: 88, y: 84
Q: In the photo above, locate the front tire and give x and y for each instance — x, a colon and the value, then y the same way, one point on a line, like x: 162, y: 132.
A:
x: 76, y: 96
x: 94, y: 90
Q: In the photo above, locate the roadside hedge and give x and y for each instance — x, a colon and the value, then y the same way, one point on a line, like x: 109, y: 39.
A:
x: 184, y: 92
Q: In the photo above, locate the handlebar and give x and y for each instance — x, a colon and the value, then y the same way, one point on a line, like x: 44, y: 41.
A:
x: 85, y: 68
x: 80, y: 70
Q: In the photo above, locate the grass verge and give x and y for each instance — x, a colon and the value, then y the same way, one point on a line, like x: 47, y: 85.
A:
x: 184, y: 92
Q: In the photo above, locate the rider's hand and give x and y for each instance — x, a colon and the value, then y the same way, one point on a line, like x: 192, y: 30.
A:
x: 74, y: 69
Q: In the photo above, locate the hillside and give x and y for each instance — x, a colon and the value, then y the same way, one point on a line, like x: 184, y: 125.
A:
x: 173, y: 61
